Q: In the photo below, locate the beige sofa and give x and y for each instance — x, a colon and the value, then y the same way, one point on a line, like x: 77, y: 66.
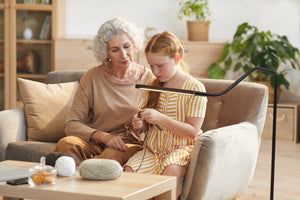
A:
x: 224, y: 157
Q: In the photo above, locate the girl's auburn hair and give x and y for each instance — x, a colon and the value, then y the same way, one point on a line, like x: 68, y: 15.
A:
x: 165, y: 44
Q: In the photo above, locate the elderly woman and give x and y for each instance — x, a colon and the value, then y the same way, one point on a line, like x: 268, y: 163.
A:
x: 98, y: 125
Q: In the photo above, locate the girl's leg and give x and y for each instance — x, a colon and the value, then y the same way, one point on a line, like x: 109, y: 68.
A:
x: 175, y: 170
x: 128, y: 169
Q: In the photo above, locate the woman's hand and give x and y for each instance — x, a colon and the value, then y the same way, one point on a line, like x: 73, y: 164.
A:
x: 112, y: 141
x: 152, y: 116
x: 137, y: 122
x: 115, y: 142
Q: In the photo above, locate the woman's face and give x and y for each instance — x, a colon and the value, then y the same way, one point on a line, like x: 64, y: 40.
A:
x: 120, y: 51
x: 163, y: 67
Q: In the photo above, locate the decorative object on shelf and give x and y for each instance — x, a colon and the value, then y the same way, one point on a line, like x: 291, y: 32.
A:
x: 29, y: 63
x: 27, y: 33
x: 229, y: 88
x: 198, y: 13
x: 252, y: 48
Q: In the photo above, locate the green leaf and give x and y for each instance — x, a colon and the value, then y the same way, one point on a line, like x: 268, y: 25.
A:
x: 215, y: 71
x: 280, y: 81
x: 194, y: 10
x: 241, y: 29
x: 237, y: 66
x: 224, y: 52
x: 228, y: 63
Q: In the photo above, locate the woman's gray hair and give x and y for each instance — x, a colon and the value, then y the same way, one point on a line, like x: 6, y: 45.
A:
x: 110, y: 29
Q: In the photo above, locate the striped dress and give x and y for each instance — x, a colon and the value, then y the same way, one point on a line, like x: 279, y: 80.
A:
x: 163, y: 148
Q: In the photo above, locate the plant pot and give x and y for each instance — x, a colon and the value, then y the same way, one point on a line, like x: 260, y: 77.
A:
x: 197, y: 30
x: 270, y: 90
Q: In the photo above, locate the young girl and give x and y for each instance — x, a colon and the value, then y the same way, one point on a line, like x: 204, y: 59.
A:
x: 172, y: 121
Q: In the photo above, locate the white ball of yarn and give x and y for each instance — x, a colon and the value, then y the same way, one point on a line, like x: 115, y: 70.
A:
x: 100, y: 169
x: 65, y: 166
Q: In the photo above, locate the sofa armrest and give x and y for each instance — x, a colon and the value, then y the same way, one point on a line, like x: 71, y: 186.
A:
x: 223, y: 163
x: 12, y: 128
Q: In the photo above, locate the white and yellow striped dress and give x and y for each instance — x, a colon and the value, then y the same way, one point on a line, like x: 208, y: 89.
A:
x: 164, y: 148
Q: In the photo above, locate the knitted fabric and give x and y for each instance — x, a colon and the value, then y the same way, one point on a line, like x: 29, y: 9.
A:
x: 100, y: 169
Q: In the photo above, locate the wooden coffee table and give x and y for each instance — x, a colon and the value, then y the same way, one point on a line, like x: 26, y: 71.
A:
x: 130, y: 186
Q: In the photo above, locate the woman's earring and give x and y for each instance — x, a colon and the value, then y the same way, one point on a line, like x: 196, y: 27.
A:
x: 108, y: 59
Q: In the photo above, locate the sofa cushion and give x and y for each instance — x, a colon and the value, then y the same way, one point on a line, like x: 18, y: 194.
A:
x: 46, y: 107
x: 28, y: 150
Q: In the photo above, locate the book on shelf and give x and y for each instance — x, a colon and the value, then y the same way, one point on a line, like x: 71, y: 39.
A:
x: 46, y: 28
x: 37, y: 1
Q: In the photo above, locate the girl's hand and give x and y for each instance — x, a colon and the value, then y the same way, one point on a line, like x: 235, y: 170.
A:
x: 152, y: 116
x: 199, y: 133
x: 137, y: 123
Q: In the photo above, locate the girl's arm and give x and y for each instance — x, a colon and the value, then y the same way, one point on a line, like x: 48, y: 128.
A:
x: 188, y: 129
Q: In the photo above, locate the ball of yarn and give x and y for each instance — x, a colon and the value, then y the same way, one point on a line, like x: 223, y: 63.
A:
x: 53, y: 156
x: 65, y: 166
x: 100, y: 169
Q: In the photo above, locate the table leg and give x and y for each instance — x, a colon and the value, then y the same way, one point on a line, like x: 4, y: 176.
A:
x: 169, y: 195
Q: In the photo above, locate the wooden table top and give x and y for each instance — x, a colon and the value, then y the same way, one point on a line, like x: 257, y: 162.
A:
x: 129, y: 186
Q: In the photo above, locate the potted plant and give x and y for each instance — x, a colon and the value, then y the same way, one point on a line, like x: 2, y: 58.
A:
x: 252, y: 48
x: 197, y: 12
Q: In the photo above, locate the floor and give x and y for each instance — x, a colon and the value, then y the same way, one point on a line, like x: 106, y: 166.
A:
x: 287, y: 173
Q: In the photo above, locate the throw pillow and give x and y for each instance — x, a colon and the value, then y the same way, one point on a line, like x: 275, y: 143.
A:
x: 46, y: 107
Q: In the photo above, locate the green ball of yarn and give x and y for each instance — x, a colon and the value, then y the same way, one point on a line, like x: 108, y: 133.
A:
x: 100, y: 169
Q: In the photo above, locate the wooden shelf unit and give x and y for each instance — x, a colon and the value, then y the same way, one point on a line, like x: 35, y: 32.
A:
x: 30, y: 58
x: 77, y: 54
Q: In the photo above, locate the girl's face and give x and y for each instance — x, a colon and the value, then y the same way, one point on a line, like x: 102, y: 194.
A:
x: 163, y: 67
x: 120, y: 51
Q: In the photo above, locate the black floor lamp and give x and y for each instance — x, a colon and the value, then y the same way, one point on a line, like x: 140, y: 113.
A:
x: 197, y: 93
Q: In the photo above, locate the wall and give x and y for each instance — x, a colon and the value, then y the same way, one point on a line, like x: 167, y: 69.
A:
x: 83, y: 18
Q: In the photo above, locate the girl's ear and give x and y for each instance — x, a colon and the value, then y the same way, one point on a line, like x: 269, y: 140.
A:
x: 177, y: 59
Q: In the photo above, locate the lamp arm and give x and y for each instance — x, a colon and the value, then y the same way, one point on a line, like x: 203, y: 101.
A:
x: 198, y: 93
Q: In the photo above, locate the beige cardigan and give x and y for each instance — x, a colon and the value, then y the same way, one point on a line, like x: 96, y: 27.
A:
x: 102, y: 105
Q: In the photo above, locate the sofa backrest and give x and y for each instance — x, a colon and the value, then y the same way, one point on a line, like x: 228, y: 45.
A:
x: 62, y: 76
x: 242, y: 103
x: 245, y: 102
